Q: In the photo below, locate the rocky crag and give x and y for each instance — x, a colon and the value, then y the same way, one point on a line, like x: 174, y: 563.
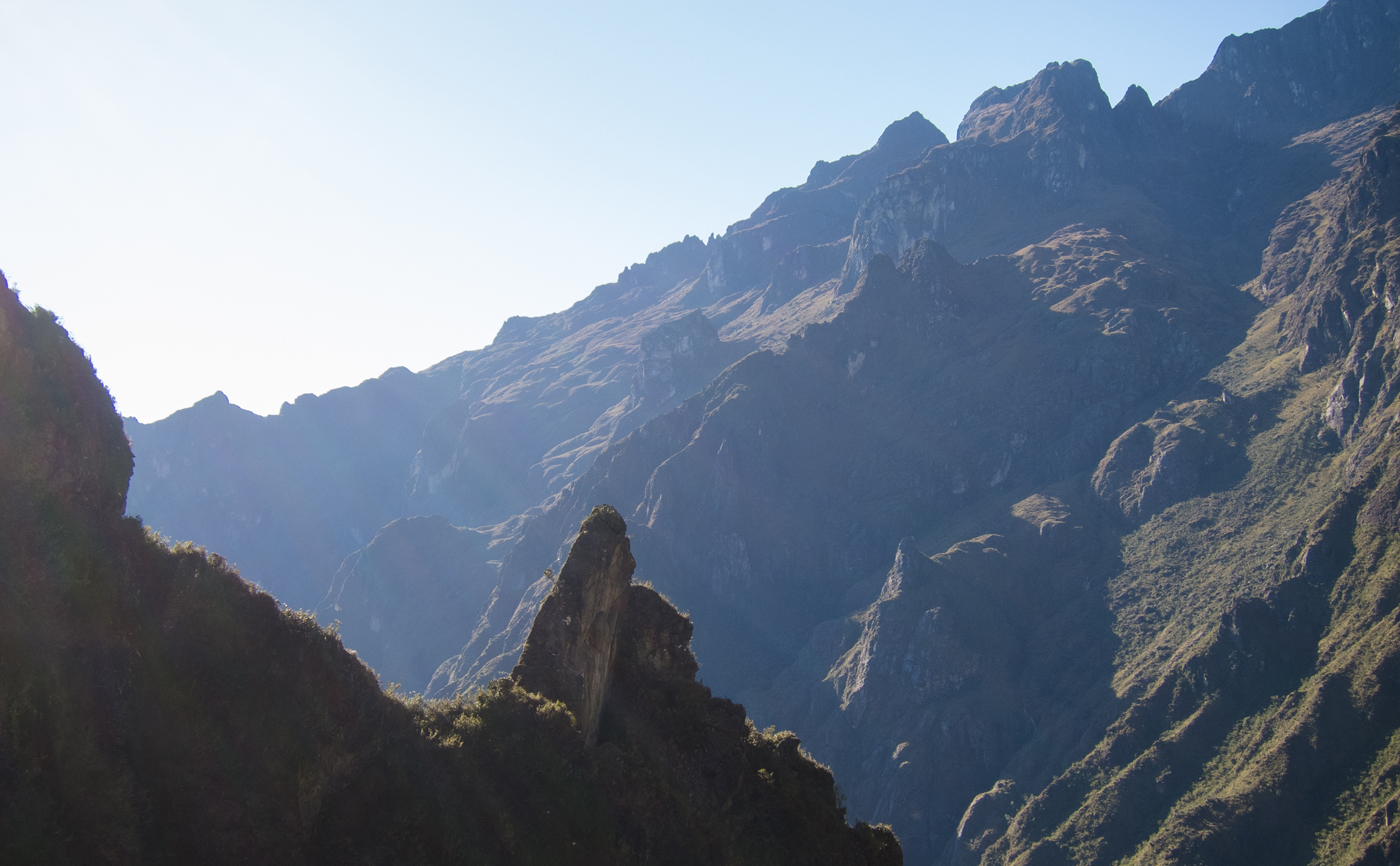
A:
x: 1127, y: 372
x: 155, y: 708
x: 618, y: 655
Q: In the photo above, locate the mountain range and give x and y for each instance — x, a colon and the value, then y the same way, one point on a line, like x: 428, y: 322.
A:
x: 1039, y: 480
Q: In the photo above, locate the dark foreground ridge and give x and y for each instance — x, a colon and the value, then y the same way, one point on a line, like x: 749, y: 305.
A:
x: 156, y: 708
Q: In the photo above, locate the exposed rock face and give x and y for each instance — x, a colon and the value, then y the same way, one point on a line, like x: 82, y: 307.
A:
x: 1345, y: 248
x: 931, y: 693
x: 677, y: 358
x: 984, y: 822
x: 569, y: 655
x: 618, y: 655
x: 1271, y: 85
x: 1041, y: 356
x: 541, y: 402
x: 1179, y: 453
x: 723, y: 487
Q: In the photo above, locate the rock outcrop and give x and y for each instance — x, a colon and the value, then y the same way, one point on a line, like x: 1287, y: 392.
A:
x: 1182, y: 451
x: 617, y: 654
x: 573, y: 643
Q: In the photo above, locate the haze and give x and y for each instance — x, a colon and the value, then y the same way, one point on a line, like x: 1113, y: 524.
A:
x: 276, y: 198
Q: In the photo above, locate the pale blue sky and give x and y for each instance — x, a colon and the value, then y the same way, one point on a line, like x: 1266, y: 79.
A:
x: 271, y: 198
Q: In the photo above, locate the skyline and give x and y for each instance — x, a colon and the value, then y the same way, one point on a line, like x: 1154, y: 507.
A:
x: 270, y: 199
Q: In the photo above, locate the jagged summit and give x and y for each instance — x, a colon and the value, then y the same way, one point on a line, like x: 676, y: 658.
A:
x: 1134, y: 98
x: 1272, y: 84
x: 912, y: 131
x: 1062, y: 97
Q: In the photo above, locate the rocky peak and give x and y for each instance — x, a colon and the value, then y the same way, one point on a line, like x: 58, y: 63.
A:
x: 1135, y: 99
x: 912, y: 132
x: 1134, y: 118
x: 617, y: 654
x: 1062, y: 100
x: 569, y: 654
x: 899, y: 146
x: 1270, y: 85
x: 902, y: 144
x: 601, y: 643
x: 994, y: 100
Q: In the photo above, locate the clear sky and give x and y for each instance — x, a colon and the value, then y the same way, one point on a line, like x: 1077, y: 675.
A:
x: 271, y: 198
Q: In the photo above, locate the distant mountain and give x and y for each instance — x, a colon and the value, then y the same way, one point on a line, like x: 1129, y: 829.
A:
x: 1039, y: 480
x: 484, y: 436
x: 290, y: 495
x: 158, y: 709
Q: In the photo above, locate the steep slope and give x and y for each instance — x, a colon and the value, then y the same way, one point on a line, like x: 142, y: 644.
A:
x: 155, y: 708
x: 773, y: 493
x: 549, y: 393
x: 1231, y: 651
x: 485, y: 435
x: 1258, y: 708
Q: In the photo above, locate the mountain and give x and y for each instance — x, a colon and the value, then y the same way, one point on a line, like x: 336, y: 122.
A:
x: 1039, y: 480
x: 287, y: 496
x: 483, y: 436
x: 158, y: 709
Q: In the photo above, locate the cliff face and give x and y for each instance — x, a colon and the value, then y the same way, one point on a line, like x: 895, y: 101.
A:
x: 940, y: 384
x: 573, y: 642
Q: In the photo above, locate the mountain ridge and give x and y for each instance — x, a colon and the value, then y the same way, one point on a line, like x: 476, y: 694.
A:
x: 1065, y: 349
